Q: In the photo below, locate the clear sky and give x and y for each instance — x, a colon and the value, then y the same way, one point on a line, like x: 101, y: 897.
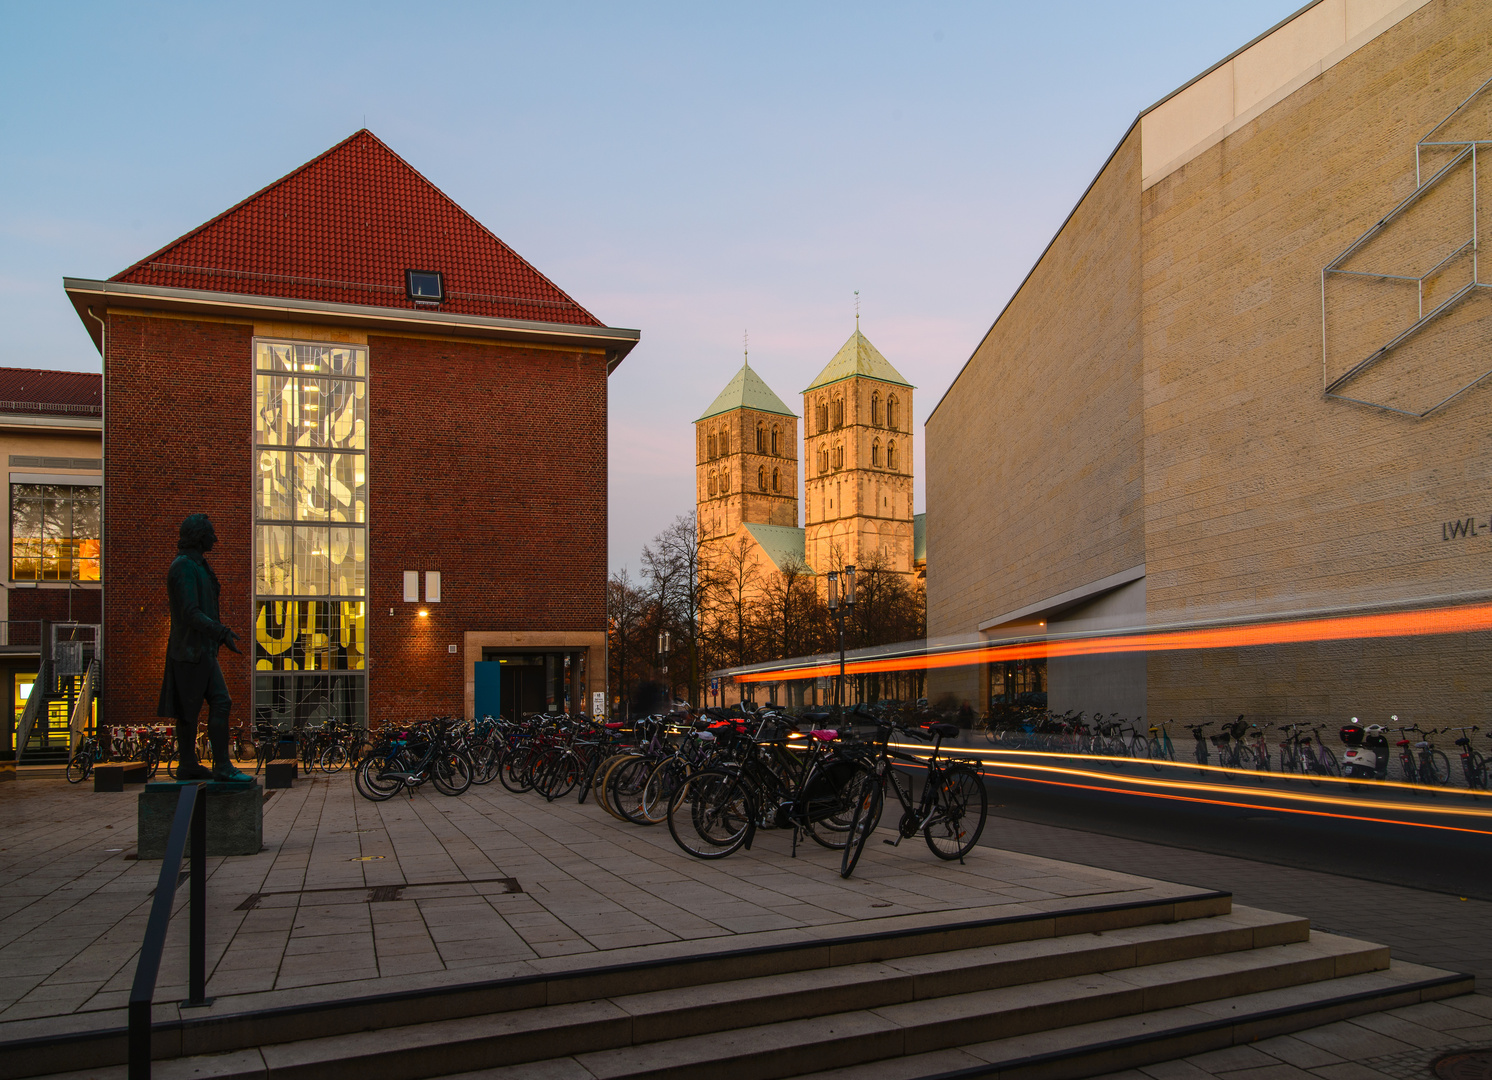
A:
x: 692, y: 170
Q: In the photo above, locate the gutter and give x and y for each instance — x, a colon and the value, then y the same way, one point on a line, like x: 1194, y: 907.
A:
x: 86, y: 293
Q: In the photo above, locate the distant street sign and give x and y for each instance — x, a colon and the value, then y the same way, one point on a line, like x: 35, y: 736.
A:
x: 598, y: 703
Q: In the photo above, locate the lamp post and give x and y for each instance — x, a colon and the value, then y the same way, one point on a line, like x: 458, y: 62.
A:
x: 840, y: 606
x: 665, y: 646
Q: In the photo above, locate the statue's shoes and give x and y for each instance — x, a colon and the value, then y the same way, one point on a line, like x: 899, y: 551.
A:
x: 229, y: 775
x: 194, y: 772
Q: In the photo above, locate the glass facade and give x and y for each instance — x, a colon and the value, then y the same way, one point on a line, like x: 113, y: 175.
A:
x: 310, y: 532
x: 54, y: 532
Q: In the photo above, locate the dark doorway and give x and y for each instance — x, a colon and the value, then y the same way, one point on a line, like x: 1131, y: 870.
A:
x: 534, y: 682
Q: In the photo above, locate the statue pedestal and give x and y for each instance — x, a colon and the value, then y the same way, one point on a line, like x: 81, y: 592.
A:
x: 235, y: 818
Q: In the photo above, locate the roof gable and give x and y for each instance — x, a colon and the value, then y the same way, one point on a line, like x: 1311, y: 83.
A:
x: 746, y: 390
x: 858, y: 356
x: 781, y: 543
x: 344, y: 228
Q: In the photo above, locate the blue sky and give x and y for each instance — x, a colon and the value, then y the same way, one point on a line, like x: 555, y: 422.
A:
x: 691, y: 170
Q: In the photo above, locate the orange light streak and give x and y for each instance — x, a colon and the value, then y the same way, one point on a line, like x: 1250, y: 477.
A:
x: 1452, y: 620
x: 1247, y: 806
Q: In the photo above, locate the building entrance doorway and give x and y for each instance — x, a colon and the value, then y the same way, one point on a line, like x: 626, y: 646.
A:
x: 534, y: 682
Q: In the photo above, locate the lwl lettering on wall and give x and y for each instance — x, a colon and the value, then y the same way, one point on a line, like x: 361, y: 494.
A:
x: 1464, y: 527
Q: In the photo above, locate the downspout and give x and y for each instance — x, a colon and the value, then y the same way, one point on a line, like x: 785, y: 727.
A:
x: 103, y: 454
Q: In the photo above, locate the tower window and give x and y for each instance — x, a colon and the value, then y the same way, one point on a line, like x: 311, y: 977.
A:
x: 875, y: 409
x: 891, y: 410
x: 839, y: 412
x: 724, y: 443
x: 427, y: 286
x: 761, y: 438
x: 776, y: 478
x: 891, y: 456
x: 774, y: 440
x: 875, y: 453
x: 710, y: 453
x: 712, y: 484
x: 761, y: 478
x: 822, y: 410
x: 725, y: 482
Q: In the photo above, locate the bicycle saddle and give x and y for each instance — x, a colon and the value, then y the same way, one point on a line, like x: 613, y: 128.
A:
x: 948, y: 731
x: 818, y: 716
x: 824, y: 734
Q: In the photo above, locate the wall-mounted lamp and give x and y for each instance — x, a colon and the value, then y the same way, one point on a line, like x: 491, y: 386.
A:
x: 424, y: 614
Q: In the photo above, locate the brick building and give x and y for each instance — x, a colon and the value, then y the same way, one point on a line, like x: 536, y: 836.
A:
x: 1242, y: 381
x: 398, y: 427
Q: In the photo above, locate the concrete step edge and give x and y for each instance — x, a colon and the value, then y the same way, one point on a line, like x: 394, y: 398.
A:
x: 1251, y: 1020
x: 221, y: 1034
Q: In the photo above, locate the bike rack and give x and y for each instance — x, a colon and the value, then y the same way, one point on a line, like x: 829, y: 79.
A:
x: 190, y: 822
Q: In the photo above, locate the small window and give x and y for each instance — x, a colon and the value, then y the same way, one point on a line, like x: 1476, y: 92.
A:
x: 710, y: 448
x: 891, y: 455
x: 875, y: 409
x: 776, y: 481
x: 411, y: 586
x: 774, y: 440
x: 761, y: 478
x: 891, y: 404
x: 724, y: 442
x: 425, y: 285
x: 761, y: 438
x: 875, y: 453
x: 432, y: 586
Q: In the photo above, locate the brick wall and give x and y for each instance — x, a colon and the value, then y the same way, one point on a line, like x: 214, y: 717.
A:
x: 177, y: 436
x: 30, y: 604
x: 487, y: 463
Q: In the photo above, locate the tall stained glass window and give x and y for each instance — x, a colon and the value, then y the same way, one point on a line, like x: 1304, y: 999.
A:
x: 310, y: 532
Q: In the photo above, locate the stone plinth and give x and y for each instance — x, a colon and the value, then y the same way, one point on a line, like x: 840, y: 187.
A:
x: 235, y: 818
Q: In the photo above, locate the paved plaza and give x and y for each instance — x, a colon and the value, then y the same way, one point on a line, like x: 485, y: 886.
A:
x: 351, y: 897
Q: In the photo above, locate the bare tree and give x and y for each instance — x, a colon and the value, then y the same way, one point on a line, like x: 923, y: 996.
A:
x: 730, y: 596
x: 625, y: 610
x: 672, y: 565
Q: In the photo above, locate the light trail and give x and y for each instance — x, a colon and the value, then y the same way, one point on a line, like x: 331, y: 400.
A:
x: 1448, y: 620
x: 1222, y: 770
x: 1173, y: 786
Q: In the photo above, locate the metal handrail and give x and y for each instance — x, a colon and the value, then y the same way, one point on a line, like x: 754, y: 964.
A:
x: 83, y: 710
x: 190, y: 821
x: 35, y: 703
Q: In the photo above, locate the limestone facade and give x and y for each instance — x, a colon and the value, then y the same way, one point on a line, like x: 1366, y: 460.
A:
x: 1146, y: 427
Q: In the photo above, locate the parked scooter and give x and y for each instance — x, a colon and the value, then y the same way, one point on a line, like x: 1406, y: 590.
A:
x: 1366, y: 757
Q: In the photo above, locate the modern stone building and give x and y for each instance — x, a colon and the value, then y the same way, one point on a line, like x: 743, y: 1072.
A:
x: 857, y: 471
x: 398, y: 426
x: 1243, y: 382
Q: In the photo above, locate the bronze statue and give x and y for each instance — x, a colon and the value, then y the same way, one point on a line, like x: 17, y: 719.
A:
x: 192, y: 671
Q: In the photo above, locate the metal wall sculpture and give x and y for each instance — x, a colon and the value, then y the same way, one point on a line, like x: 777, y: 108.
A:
x: 1406, y: 317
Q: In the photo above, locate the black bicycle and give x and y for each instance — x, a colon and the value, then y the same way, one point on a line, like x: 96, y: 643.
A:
x: 951, y: 813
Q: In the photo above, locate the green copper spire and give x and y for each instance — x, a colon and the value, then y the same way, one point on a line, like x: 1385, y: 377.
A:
x: 858, y: 357
x: 746, y: 391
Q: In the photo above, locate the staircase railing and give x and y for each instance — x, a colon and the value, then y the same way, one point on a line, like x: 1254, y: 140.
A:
x: 190, y: 822
x: 36, y: 704
x: 83, y: 708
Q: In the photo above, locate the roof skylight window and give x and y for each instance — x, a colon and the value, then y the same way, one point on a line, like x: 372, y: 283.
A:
x: 425, y: 286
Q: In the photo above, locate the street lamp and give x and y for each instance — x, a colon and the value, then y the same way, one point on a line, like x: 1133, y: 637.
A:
x: 839, y: 608
x: 665, y: 646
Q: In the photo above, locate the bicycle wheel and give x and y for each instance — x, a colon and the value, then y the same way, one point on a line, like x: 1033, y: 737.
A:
x: 1475, y: 767
x: 710, y: 815
x: 962, y: 806
x: 78, y: 767
x: 450, y: 774
x: 334, y: 758
x: 866, y: 815
x: 370, y: 781
x: 663, y: 783
x: 1156, y: 753
x: 152, y: 763
x: 1435, y: 768
x: 561, y: 774
x: 833, y: 832
x: 484, y: 764
x: 1326, y: 762
x: 598, y: 784
x: 516, y: 775
x: 625, y: 785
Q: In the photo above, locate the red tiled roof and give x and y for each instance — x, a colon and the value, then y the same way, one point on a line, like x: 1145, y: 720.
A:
x: 343, y: 228
x: 29, y: 390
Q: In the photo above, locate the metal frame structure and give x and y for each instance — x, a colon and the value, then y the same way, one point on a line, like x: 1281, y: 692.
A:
x: 1468, y: 152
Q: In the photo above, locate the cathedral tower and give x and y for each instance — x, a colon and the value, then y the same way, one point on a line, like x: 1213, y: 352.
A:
x: 746, y: 459
x: 857, y: 449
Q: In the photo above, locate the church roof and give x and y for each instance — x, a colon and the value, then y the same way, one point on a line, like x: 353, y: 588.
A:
x: 858, y: 357
x: 781, y: 543
x: 746, y: 390
x: 344, y: 228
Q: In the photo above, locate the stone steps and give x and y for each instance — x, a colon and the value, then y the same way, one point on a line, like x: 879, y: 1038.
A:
x: 1122, y: 984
